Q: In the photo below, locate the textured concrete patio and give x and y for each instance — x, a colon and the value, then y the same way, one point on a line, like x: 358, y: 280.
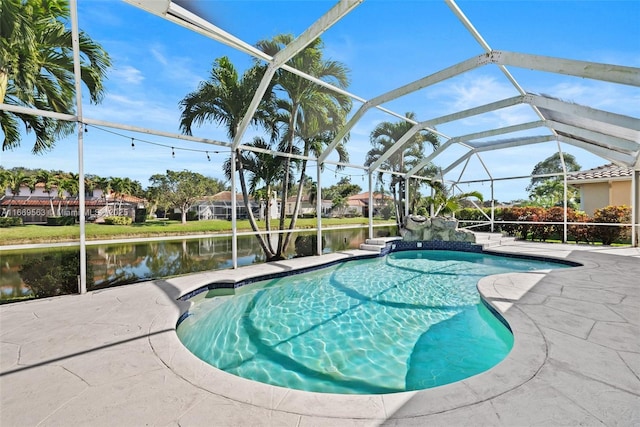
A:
x: 112, y: 358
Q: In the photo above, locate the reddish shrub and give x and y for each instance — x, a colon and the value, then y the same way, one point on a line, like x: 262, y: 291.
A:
x: 615, y: 215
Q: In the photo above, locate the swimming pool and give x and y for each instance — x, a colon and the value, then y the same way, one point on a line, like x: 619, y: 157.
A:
x: 407, y: 321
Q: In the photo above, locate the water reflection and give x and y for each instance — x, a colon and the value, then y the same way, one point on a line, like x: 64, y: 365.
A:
x: 121, y: 264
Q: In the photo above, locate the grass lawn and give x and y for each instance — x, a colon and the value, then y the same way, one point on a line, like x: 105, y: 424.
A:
x: 47, y: 234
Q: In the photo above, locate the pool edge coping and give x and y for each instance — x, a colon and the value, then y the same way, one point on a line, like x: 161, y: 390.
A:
x: 527, y: 356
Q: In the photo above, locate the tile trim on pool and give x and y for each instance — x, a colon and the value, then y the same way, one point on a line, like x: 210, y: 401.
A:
x: 390, y: 247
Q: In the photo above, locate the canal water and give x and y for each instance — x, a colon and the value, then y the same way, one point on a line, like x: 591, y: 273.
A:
x: 34, y: 273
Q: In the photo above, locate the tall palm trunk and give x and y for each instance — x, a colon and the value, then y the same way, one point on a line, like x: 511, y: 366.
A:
x: 4, y: 82
x: 285, y: 181
x: 245, y: 196
x: 267, y: 218
x: 296, y: 208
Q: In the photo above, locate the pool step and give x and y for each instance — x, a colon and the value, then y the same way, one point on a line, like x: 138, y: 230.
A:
x: 377, y: 244
x: 488, y: 240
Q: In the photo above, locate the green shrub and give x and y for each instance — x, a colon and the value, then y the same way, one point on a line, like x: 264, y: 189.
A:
x: 61, y: 220
x: 615, y: 215
x: 472, y: 214
x: 141, y: 215
x: 117, y: 220
x: 11, y: 221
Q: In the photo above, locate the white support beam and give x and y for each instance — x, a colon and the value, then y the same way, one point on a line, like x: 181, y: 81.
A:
x: 590, y: 70
x: 77, y: 74
x: 254, y: 104
x: 600, y: 139
x: 498, y: 145
x: 296, y: 46
x: 519, y: 142
x: 430, y: 157
x: 445, y: 119
x: 148, y: 131
x: 432, y: 79
x: 396, y: 146
x: 453, y: 165
x: 605, y: 153
x: 37, y: 112
x: 498, y: 131
x: 584, y: 112
x: 476, y: 35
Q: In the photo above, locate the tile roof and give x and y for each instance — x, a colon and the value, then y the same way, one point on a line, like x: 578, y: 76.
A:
x: 601, y: 173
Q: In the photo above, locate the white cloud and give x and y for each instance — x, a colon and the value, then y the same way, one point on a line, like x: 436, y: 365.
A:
x: 471, y: 91
x: 159, y: 56
x: 600, y: 95
x: 127, y: 74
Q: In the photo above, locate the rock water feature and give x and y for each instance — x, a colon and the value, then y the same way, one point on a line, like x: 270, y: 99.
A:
x: 419, y: 228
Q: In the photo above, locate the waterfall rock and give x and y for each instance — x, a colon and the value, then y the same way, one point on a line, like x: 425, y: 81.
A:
x: 416, y: 227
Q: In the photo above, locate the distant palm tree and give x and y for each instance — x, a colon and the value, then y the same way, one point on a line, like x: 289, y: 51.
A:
x: 49, y: 180
x: 15, y: 180
x: 68, y: 185
x: 104, y: 184
x: 36, y: 69
x: 121, y: 187
x: 383, y: 137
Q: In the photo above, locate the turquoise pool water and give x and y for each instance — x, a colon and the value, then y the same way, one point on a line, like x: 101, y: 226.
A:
x: 407, y: 321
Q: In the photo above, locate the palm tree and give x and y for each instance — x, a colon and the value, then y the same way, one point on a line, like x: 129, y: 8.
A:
x: 311, y: 113
x: 68, y: 184
x: 121, y: 187
x: 259, y: 169
x: 14, y: 180
x: 36, y: 69
x: 444, y: 202
x: 49, y: 180
x: 224, y: 99
x: 104, y: 184
x: 383, y: 137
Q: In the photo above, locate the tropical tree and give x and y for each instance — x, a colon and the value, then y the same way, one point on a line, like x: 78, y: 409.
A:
x: 443, y: 201
x: 121, y: 188
x: 223, y: 99
x: 180, y: 189
x: 15, y: 180
x: 104, y: 184
x: 549, y: 191
x: 68, y: 185
x: 344, y: 188
x: 552, y: 164
x: 312, y: 114
x: 49, y: 180
x: 36, y: 69
x: 261, y: 171
x: 383, y: 137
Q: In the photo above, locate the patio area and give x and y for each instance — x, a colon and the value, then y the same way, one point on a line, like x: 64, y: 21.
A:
x: 112, y: 357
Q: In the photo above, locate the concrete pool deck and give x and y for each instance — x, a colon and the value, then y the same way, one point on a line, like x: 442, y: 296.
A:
x: 112, y: 358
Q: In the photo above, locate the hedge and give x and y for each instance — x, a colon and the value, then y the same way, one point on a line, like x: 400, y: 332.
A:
x: 544, y: 232
x: 10, y: 221
x: 61, y: 220
x: 118, y: 220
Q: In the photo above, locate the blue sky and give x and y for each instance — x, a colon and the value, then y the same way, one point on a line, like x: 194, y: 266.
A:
x: 384, y: 43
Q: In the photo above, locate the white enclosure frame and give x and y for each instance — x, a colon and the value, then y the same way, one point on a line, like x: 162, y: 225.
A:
x: 613, y: 137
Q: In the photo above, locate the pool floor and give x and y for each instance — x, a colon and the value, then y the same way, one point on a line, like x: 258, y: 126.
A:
x: 407, y: 321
